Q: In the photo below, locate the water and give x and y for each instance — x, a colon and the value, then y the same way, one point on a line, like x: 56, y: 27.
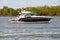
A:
x: 16, y: 31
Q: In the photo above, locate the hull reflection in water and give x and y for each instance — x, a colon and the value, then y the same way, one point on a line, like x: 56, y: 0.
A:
x: 40, y: 22
x: 41, y: 35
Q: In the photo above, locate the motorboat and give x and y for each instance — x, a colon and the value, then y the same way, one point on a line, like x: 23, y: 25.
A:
x: 26, y: 16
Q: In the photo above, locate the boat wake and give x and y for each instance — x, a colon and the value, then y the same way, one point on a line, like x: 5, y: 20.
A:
x: 41, y: 35
x: 21, y: 22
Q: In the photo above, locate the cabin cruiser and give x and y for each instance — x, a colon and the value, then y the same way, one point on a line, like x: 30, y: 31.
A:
x: 26, y: 16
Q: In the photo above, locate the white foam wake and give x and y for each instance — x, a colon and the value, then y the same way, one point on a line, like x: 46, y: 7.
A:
x: 23, y: 34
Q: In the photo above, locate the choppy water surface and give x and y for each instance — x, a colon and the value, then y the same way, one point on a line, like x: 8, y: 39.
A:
x: 32, y: 31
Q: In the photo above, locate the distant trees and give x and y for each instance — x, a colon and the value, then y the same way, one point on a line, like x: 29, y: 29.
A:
x: 5, y: 11
x: 45, y: 10
x: 39, y: 10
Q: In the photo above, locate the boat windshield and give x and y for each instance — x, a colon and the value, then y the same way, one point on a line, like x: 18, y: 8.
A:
x: 29, y: 14
x: 23, y: 14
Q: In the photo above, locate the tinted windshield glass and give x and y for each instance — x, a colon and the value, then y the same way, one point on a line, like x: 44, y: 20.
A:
x: 30, y: 14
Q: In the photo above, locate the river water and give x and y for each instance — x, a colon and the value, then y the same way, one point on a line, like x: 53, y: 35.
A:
x: 32, y: 31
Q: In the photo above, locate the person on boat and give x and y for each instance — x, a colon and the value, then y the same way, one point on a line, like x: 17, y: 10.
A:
x: 18, y: 16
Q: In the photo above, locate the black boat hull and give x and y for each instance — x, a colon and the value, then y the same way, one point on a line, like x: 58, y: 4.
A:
x: 34, y: 19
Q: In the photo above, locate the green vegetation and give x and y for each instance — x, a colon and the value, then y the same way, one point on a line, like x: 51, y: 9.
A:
x: 40, y: 10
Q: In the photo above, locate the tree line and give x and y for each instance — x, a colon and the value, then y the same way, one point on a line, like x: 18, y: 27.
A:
x: 39, y: 10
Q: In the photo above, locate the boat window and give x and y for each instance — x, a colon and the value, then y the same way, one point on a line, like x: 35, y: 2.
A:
x: 30, y: 14
x: 23, y: 14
